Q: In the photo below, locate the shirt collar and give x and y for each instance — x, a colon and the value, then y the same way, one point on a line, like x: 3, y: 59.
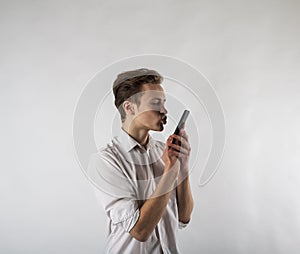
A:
x: 129, y: 143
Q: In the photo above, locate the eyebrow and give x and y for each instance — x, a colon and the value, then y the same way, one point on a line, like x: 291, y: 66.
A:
x: 157, y: 98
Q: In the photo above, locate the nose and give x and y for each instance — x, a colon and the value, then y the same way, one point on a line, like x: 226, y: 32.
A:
x: 163, y: 110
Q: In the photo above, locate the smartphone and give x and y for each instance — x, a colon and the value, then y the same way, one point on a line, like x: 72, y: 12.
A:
x: 181, y: 123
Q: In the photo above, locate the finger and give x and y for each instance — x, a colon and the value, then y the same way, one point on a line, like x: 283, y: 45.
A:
x: 169, y: 141
x: 183, y: 142
x: 180, y: 136
x: 179, y: 148
x: 183, y: 134
x: 178, y: 154
x: 177, y: 137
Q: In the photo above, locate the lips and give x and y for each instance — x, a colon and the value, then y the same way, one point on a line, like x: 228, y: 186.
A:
x: 164, y: 119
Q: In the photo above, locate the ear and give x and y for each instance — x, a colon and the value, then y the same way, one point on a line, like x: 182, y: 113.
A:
x: 128, y: 108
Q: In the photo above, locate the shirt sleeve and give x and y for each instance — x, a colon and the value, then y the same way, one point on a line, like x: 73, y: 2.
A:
x: 114, y: 190
x: 182, y: 225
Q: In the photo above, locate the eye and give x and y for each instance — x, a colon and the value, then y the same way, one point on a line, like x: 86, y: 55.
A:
x: 156, y: 102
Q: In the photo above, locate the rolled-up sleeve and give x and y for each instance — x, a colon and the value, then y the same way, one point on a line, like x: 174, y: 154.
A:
x: 126, y: 214
x: 114, y: 190
x: 182, y: 225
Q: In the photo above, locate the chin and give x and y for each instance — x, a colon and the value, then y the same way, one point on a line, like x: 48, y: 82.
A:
x: 156, y: 127
x: 161, y: 127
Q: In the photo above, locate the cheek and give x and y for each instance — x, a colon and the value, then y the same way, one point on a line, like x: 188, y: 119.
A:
x: 154, y: 107
x: 148, y: 115
x: 150, y: 107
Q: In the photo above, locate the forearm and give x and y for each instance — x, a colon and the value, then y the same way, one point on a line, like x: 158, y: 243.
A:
x: 184, y: 200
x: 153, y: 209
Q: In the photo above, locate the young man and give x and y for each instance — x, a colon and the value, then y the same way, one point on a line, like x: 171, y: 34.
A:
x: 143, y: 183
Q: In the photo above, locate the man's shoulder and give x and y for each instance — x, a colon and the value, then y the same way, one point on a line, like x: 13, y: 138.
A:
x: 115, y: 150
x: 109, y: 151
x: 105, y: 158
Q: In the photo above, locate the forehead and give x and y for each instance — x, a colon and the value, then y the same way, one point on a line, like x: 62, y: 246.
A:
x: 153, y: 90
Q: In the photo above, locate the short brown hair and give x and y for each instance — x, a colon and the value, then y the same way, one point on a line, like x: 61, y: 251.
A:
x: 129, y: 83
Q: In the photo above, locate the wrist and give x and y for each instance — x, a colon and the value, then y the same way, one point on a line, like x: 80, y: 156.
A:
x: 183, y: 174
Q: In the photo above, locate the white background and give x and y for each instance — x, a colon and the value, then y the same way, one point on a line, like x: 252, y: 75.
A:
x: 249, y: 50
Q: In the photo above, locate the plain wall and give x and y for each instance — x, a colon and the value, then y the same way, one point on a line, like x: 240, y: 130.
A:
x: 249, y: 50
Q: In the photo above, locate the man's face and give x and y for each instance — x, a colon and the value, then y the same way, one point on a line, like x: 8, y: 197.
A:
x: 151, y: 113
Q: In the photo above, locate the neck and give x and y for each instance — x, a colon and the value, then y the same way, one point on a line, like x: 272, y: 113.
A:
x: 139, y: 134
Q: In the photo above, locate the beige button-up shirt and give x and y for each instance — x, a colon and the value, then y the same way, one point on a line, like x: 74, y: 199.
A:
x: 126, y: 175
